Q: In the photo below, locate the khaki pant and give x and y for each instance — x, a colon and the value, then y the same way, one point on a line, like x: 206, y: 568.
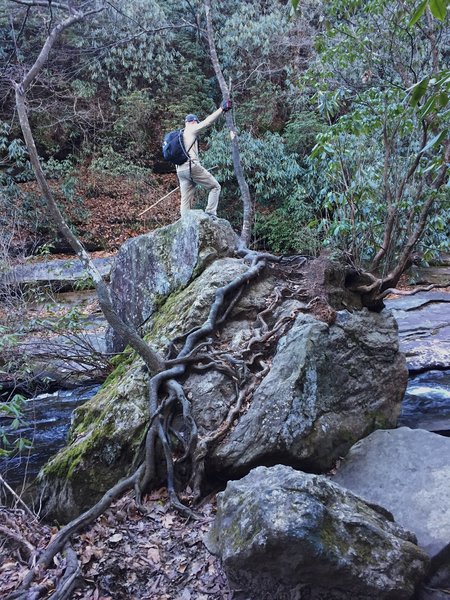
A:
x: 189, y: 179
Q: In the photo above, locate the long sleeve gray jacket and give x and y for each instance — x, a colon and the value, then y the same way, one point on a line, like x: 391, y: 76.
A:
x: 191, y: 132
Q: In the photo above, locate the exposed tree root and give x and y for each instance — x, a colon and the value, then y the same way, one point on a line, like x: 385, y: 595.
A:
x: 27, y: 549
x: 427, y: 288
x: 164, y: 381
x: 167, y: 400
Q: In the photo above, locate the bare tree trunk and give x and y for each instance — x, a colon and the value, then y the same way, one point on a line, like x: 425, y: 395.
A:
x: 243, y: 186
x: 131, y: 337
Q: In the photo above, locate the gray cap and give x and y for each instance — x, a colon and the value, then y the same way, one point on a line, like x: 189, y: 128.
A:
x: 191, y: 117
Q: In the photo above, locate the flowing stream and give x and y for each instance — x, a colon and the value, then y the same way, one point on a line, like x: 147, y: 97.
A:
x: 426, y: 406
x: 48, y: 418
x: 427, y: 402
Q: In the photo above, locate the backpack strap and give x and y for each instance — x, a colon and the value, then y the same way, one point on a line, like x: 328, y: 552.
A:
x: 187, y: 153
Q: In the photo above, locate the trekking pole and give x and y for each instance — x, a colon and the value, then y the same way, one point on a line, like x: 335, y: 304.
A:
x: 166, y: 196
x: 158, y: 201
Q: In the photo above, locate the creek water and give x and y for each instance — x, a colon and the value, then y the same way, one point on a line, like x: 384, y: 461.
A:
x: 426, y: 404
x: 48, y: 418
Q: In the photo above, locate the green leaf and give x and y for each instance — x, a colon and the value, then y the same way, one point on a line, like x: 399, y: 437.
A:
x: 437, y: 138
x: 428, y: 107
x: 443, y: 99
x: 418, y: 13
x: 295, y: 4
x: 419, y: 90
x: 438, y: 9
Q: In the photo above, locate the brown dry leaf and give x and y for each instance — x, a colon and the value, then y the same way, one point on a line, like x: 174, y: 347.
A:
x: 87, y: 555
x: 168, y: 520
x: 131, y: 577
x: 154, y: 556
x: 8, y: 565
x: 196, y: 567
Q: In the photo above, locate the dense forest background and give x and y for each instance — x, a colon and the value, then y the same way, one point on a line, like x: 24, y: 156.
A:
x: 342, y: 112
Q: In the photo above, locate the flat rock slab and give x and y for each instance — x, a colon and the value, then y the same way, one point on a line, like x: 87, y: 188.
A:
x: 150, y: 267
x: 437, y: 274
x: 57, y: 271
x: 424, y: 329
x: 417, y: 300
x: 407, y: 471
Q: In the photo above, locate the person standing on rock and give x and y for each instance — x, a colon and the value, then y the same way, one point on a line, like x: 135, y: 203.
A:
x: 191, y: 173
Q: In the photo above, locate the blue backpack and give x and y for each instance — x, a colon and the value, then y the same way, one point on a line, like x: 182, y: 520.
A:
x: 173, y: 147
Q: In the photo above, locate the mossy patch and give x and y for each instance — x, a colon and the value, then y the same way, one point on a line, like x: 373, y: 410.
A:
x: 121, y: 363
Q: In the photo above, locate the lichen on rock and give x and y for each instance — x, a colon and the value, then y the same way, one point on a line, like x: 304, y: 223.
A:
x: 284, y: 534
x: 150, y: 267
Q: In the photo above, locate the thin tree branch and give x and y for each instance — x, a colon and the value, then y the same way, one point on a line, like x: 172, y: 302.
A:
x: 243, y: 186
x: 150, y: 357
x: 44, y: 3
x: 427, y: 288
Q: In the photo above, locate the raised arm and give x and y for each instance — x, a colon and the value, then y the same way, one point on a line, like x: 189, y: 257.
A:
x: 199, y: 127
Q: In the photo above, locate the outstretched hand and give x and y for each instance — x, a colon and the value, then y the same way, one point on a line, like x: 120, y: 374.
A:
x: 226, y: 105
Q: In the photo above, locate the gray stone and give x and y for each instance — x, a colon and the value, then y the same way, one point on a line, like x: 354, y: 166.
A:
x: 331, y: 384
x: 59, y: 274
x: 189, y: 307
x: 283, y: 534
x: 408, y: 472
x: 407, y: 303
x: 424, y: 329
x: 425, y: 275
x: 150, y: 267
x: 107, y: 431
x: 328, y: 387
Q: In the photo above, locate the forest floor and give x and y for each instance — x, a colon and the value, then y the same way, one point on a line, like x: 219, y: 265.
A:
x: 105, y: 210
x: 122, y: 555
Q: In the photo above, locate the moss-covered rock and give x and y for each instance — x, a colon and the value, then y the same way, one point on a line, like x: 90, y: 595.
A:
x: 284, y: 534
x: 329, y: 386
x: 330, y: 383
x: 107, y: 431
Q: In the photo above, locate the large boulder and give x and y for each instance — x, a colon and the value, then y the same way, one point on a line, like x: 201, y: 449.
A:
x: 424, y: 329
x: 330, y: 383
x: 283, y: 534
x: 329, y: 386
x: 150, y: 267
x: 106, y: 432
x: 408, y: 472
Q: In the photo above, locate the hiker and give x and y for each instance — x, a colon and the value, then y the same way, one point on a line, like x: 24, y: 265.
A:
x: 191, y: 173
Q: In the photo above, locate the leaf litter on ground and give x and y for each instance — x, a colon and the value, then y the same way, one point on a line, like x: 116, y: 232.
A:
x: 125, y: 554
